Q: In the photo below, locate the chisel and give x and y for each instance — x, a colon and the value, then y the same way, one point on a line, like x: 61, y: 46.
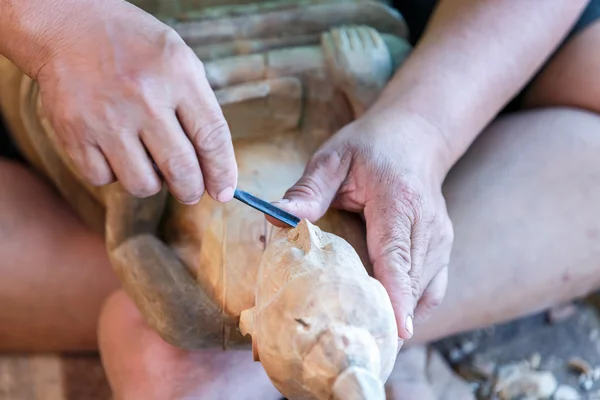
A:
x: 266, y: 208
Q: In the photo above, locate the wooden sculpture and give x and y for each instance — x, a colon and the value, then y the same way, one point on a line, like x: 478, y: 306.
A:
x: 288, y: 75
x: 321, y: 327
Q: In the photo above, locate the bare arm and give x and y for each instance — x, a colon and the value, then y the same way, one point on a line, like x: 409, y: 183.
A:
x: 473, y: 58
x: 33, y: 31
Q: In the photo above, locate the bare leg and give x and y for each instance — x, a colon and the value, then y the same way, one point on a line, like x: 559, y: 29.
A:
x: 140, y: 365
x: 533, y: 180
x: 524, y: 202
x: 54, y: 272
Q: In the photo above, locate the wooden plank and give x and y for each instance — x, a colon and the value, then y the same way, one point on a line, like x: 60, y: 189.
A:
x: 31, y: 378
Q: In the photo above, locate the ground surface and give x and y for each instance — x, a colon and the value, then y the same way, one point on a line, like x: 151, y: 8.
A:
x: 52, y: 377
x: 481, y: 356
x: 533, y: 340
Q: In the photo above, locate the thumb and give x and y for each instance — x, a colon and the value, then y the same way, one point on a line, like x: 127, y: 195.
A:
x: 312, y: 194
x: 397, y: 242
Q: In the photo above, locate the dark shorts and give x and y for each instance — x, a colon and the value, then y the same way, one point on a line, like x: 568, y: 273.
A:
x: 416, y: 13
x: 7, y: 148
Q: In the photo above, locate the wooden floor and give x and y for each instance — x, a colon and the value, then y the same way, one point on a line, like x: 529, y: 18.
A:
x: 52, y: 377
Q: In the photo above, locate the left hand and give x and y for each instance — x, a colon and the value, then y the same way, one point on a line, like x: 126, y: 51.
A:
x: 389, y: 170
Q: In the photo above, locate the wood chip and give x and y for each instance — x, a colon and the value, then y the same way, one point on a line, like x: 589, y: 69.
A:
x: 580, y: 366
x: 518, y: 381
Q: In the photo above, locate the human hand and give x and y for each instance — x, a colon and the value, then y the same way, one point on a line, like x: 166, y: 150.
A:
x: 391, y: 173
x: 126, y: 91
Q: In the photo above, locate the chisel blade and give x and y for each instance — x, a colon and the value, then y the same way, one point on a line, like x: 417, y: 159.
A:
x: 266, y: 208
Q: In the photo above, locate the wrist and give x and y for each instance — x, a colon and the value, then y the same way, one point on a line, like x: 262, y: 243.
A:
x: 418, y: 139
x: 33, y: 32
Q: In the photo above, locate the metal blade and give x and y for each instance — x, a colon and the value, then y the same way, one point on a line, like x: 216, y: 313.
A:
x: 266, y: 208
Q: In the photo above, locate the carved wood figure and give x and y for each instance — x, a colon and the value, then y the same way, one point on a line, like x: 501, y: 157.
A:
x: 288, y: 75
x: 321, y: 327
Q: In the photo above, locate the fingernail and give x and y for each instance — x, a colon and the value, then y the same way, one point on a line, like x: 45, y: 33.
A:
x: 225, y: 195
x: 190, y: 203
x: 409, y: 325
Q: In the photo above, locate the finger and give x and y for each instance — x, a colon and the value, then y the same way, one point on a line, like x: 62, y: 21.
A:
x: 174, y: 157
x: 340, y: 36
x: 397, y: 241
x: 204, y: 123
x: 366, y: 36
x: 91, y: 164
x: 132, y: 166
x: 376, y: 38
x: 312, y: 194
x: 354, y: 38
x: 432, y: 296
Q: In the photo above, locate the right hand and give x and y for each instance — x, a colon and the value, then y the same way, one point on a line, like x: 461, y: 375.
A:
x: 389, y: 166
x: 123, y: 90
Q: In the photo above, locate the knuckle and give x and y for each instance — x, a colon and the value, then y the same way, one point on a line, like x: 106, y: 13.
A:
x: 144, y: 189
x: 435, y: 301
x: 179, y: 167
x: 330, y: 160
x: 307, y: 186
x: 396, y: 254
x: 191, y: 196
x: 178, y: 48
x: 70, y: 128
x: 97, y: 178
x: 152, y: 112
x: 425, y: 309
x: 132, y: 84
x: 186, y: 58
x: 428, y: 304
x: 326, y: 168
x: 212, y: 137
x: 217, y: 180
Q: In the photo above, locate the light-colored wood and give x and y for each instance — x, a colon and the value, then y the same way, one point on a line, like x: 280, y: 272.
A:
x: 312, y: 328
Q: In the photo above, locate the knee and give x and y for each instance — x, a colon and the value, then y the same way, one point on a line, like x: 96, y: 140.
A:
x: 571, y: 78
x: 118, y: 313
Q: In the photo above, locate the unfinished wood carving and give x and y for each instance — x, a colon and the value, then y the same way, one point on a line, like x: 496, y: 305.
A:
x: 287, y: 76
x: 321, y: 327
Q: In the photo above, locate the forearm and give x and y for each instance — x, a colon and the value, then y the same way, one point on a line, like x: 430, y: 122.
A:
x: 33, y: 31
x: 473, y: 58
